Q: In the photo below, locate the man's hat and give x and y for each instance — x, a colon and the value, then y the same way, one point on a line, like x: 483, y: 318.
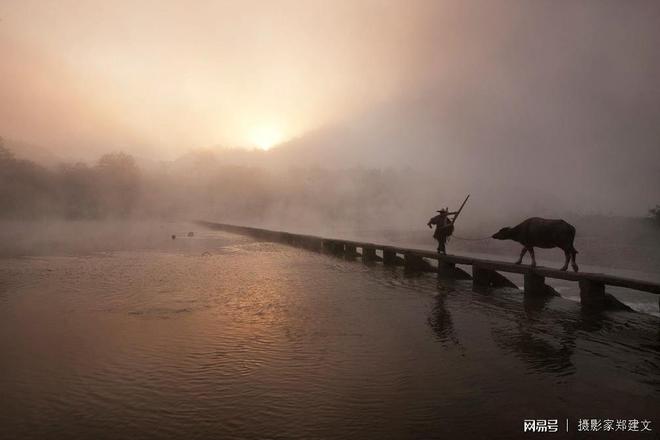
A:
x: 445, y: 210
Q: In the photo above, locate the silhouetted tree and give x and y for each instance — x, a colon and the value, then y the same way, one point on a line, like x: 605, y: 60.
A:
x: 119, y: 184
x: 26, y: 189
x: 79, y: 191
x: 5, y: 154
x: 655, y: 214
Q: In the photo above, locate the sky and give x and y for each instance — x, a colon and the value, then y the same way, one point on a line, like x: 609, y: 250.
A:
x: 561, y: 96
x: 170, y: 75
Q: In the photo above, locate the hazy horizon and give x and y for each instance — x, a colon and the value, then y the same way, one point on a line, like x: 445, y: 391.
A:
x: 556, y: 103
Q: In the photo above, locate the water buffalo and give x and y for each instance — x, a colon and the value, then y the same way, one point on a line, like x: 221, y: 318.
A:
x: 543, y: 233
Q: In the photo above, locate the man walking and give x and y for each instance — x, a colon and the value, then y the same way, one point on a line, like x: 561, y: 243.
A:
x: 444, y: 227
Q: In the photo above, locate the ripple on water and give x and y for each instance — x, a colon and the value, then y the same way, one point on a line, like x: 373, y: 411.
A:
x: 262, y: 340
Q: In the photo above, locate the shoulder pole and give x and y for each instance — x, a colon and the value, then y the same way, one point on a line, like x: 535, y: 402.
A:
x: 460, y: 209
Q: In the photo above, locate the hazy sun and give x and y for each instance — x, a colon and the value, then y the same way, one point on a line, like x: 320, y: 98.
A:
x: 265, y: 137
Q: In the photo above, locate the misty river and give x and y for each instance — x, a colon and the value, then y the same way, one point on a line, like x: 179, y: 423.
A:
x: 132, y: 334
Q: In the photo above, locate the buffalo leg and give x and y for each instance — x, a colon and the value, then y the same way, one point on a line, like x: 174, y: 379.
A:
x: 567, y: 255
x: 531, y: 253
x: 522, y: 254
x: 574, y: 264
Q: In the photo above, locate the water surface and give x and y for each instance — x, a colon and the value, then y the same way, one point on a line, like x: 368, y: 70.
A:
x: 222, y: 336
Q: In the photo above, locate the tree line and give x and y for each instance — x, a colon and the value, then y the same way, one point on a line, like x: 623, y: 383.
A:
x: 201, y: 185
x: 109, y: 188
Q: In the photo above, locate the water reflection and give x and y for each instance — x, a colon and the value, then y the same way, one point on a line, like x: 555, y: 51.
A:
x: 546, y: 335
x: 4, y: 289
x: 539, y: 336
x: 549, y: 353
x: 440, y: 319
x: 590, y: 320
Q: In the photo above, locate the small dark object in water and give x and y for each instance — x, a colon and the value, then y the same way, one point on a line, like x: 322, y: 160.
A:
x: 542, y: 233
x: 191, y: 234
x: 206, y: 254
x: 173, y: 236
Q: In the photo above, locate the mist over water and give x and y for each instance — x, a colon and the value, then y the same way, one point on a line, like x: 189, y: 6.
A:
x: 118, y: 201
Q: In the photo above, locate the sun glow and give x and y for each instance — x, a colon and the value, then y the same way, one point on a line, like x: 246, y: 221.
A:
x: 266, y: 137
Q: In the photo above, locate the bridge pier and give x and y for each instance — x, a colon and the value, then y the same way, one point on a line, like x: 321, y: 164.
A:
x: 369, y: 254
x: 449, y: 270
x: 350, y: 251
x: 445, y: 269
x: 390, y: 258
x: 286, y: 238
x: 534, y: 284
x: 480, y: 278
x: 483, y: 279
x: 414, y: 262
x: 334, y: 247
x: 313, y: 243
x: 592, y: 293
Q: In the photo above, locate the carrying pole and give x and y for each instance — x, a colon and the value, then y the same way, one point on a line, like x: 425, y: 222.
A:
x: 460, y: 209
